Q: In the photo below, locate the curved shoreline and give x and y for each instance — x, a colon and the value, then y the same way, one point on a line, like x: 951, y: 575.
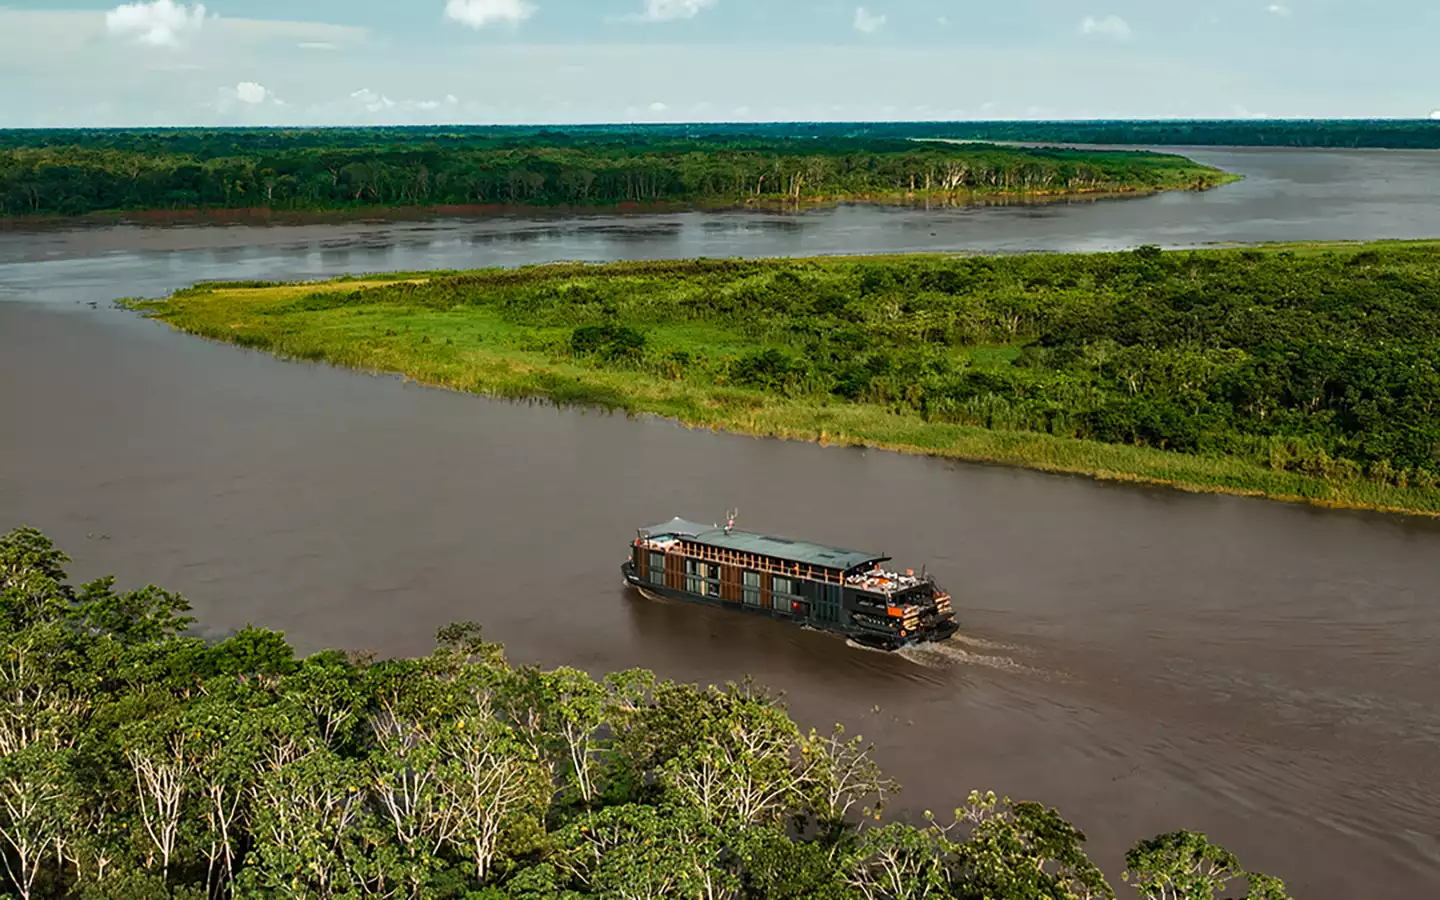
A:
x: 840, y: 439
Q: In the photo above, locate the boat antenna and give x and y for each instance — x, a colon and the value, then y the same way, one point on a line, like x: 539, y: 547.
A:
x: 730, y: 520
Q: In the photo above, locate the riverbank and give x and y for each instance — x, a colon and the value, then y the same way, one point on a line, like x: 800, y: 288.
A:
x: 261, y: 215
x: 903, y: 353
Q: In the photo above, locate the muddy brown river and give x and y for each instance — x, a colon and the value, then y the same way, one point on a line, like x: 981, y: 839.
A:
x: 1142, y: 659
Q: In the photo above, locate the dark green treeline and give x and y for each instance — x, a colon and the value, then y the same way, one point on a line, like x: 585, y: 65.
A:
x: 76, y: 172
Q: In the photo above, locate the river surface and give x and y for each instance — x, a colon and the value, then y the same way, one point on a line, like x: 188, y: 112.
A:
x: 1142, y: 659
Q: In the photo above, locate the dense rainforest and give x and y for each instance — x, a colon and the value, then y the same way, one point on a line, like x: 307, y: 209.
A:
x: 1321, y: 363
x: 139, y: 762
x: 76, y: 172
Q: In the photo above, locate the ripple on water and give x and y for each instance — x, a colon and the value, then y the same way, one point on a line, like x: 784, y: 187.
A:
x: 952, y: 652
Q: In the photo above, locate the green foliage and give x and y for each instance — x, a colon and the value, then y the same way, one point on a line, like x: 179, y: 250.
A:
x: 610, y: 342
x: 1185, y: 865
x: 75, y: 172
x: 140, y: 763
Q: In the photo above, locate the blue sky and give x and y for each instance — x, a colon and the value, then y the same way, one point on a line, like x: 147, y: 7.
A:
x: 169, y: 62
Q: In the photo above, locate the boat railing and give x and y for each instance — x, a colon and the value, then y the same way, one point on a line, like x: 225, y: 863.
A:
x: 752, y: 561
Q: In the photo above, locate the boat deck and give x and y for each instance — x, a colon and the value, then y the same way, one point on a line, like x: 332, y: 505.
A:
x: 879, y: 581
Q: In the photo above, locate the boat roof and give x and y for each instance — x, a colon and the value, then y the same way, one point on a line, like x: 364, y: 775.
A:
x: 803, y: 552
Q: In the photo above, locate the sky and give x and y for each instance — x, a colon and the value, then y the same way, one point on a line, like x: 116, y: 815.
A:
x: 364, y: 62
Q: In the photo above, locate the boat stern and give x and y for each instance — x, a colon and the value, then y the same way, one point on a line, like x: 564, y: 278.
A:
x: 931, y: 622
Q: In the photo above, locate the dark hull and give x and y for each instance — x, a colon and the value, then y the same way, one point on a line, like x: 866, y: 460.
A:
x: 867, y: 638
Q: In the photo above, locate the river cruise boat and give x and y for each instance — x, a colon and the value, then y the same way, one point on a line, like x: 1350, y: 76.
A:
x: 847, y: 592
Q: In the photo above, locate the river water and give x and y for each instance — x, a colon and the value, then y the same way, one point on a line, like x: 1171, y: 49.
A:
x: 1142, y: 659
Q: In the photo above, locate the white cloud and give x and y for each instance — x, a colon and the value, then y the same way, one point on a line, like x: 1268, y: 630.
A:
x: 670, y: 10
x: 371, y: 100
x: 374, y: 101
x: 866, y: 22
x: 479, y: 13
x: 1435, y: 113
x: 316, y: 45
x: 250, y: 92
x: 1111, y: 26
x: 658, y: 107
x: 159, y: 23
x: 943, y: 21
x: 1278, y: 9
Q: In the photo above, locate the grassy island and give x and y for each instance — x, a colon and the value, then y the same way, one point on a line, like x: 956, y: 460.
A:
x: 1299, y: 373
x: 64, y: 173
x: 139, y: 762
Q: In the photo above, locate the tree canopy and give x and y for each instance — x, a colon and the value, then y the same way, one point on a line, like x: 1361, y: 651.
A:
x: 76, y: 172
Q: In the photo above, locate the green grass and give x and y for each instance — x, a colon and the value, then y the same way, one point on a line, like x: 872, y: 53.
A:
x: 381, y: 323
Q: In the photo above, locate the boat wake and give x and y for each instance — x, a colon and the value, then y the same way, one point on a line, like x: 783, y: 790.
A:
x: 856, y: 645
x: 953, y: 651
x: 983, y: 644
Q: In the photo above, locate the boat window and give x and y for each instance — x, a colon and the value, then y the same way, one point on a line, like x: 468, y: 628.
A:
x: 750, y: 588
x: 782, y: 593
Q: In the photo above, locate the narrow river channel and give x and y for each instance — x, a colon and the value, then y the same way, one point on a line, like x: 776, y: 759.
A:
x: 1142, y: 659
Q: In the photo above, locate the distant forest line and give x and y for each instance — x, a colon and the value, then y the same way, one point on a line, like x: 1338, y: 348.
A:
x: 1413, y: 134
x: 78, y: 172
x: 1407, y: 134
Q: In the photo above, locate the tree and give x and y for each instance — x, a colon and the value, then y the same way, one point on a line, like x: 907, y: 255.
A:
x: 898, y: 862
x: 1022, y: 850
x: 310, y: 811
x: 774, y: 867
x: 228, y: 752
x: 572, y: 709
x: 37, y: 801
x: 32, y: 580
x: 1185, y: 865
x: 739, y: 766
x: 135, y: 617
x: 493, y: 785
x: 838, y: 774
x: 162, y: 758
x: 647, y: 853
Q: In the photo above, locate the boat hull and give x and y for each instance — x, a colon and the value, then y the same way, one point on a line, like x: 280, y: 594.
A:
x: 860, y: 636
